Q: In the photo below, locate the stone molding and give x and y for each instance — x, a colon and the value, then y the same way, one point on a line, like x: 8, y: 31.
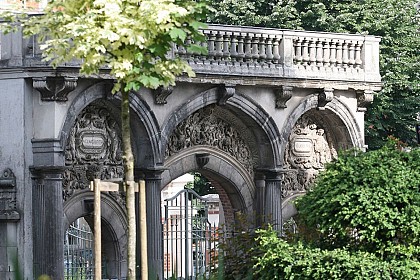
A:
x: 226, y: 91
x: 324, y: 97
x: 364, y: 98
x: 54, y: 88
x: 283, y: 94
x: 161, y: 94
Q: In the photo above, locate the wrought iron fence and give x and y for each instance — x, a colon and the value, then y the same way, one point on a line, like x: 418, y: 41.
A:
x: 78, y: 252
x: 190, y: 241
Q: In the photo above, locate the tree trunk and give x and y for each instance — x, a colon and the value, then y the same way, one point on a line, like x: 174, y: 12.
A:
x: 129, y: 183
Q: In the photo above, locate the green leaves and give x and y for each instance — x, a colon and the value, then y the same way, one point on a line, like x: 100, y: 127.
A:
x: 131, y: 38
x: 368, y: 201
x: 396, y: 21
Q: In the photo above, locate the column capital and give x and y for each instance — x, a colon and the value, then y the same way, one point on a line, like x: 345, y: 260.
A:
x: 154, y: 173
x: 47, y: 171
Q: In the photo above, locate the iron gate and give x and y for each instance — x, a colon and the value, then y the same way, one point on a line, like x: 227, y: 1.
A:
x: 78, y: 252
x: 189, y: 239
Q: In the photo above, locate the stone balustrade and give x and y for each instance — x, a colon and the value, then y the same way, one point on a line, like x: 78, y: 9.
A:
x: 255, y: 52
x: 247, y: 51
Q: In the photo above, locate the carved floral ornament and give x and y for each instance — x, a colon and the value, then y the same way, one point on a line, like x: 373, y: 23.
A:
x: 206, y: 127
x: 309, y: 148
x: 93, y: 150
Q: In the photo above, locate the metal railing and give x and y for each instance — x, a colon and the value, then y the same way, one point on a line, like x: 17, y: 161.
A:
x: 189, y: 239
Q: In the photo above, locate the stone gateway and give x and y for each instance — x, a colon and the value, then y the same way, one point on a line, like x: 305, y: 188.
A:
x: 265, y: 113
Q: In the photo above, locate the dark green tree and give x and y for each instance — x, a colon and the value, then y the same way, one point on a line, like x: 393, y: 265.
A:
x: 201, y: 185
x: 395, y: 109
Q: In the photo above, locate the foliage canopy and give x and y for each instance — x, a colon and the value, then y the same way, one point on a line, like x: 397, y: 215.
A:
x: 133, y: 39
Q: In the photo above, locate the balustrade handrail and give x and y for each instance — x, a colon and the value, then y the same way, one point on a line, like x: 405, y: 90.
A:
x: 243, y: 51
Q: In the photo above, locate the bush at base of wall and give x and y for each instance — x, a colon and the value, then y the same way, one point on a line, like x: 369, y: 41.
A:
x: 283, y: 260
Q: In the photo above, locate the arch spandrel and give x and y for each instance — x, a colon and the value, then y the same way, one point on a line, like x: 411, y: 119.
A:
x: 313, y: 138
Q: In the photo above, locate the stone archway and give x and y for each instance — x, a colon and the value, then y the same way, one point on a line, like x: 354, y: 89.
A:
x: 93, y: 150
x: 114, y: 228
x: 313, y: 139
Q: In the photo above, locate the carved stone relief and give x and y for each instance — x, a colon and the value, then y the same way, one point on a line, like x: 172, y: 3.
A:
x: 309, y: 148
x: 8, y: 207
x: 207, y: 127
x: 93, y: 150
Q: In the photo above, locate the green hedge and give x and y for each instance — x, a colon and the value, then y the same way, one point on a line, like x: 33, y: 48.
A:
x: 282, y: 260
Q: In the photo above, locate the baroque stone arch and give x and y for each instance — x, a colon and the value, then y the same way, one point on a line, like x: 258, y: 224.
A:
x: 263, y: 135
x: 231, y: 180
x: 313, y: 138
x: 93, y: 149
x: 114, y: 228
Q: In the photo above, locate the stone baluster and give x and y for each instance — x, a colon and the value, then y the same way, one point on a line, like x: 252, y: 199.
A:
x: 263, y: 48
x: 345, y: 54
x: 234, y: 46
x: 276, y: 49
x: 188, y: 54
x: 352, y: 59
x: 339, y: 53
x: 255, y: 51
x: 241, y: 51
x: 226, y: 42
x: 298, y: 51
x: 319, y: 53
x: 219, y: 46
x: 312, y: 52
x: 269, y: 50
x: 154, y: 223
x: 305, y: 51
x: 333, y: 53
x: 211, y: 45
x: 248, y: 54
x: 358, y: 60
x: 326, y: 55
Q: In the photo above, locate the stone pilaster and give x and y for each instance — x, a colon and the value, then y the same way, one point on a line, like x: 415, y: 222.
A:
x: 273, y: 199
x: 154, y: 224
x: 48, y: 231
x: 259, y: 197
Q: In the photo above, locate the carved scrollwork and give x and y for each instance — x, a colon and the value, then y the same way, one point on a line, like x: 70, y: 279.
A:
x: 93, y: 150
x: 364, y: 98
x: 205, y: 128
x: 161, y: 93
x: 8, y: 203
x: 283, y: 94
x: 309, y: 148
x: 325, y: 97
x: 54, y: 88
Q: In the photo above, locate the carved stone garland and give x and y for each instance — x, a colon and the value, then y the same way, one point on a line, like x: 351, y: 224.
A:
x: 205, y: 128
x: 309, y: 148
x: 93, y: 151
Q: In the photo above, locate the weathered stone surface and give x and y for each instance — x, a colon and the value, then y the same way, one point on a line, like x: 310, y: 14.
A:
x: 269, y: 107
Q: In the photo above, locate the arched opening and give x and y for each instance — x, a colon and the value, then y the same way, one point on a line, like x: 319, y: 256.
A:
x: 78, y: 241
x: 193, y: 216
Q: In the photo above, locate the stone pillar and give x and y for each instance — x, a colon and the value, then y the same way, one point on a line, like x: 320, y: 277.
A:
x: 48, y: 231
x: 273, y: 199
x: 259, y: 198
x: 154, y: 224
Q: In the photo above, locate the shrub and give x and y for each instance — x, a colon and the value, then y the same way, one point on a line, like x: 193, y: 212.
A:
x: 367, y: 202
x: 283, y: 260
